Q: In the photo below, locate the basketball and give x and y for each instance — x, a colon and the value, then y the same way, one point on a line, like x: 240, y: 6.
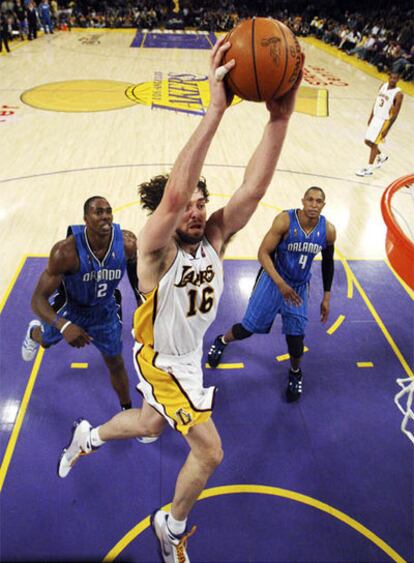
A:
x: 268, y: 59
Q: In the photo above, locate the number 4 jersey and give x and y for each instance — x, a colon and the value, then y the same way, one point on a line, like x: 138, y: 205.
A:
x: 294, y: 255
x: 176, y: 314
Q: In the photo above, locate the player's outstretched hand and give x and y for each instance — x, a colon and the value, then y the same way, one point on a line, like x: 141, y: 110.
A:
x: 282, y: 108
x: 220, y: 98
x: 76, y: 336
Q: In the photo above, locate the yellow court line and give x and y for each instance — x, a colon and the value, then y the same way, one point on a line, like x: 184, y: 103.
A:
x: 271, y: 491
x: 352, y: 60
x: 126, y: 205
x: 348, y: 273
x: 285, y: 357
x: 336, y: 324
x: 241, y: 258
x: 321, y: 103
x: 16, y: 275
x: 79, y: 365
x: 381, y: 325
x: 208, y: 39
x: 226, y: 366
x: 20, y: 417
x: 12, y: 282
x: 402, y: 282
x: 365, y: 364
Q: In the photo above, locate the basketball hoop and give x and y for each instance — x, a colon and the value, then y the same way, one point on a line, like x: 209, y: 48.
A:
x: 407, y: 388
x: 399, y: 248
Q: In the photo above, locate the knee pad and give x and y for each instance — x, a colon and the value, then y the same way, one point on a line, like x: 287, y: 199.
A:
x: 295, y: 345
x: 239, y: 332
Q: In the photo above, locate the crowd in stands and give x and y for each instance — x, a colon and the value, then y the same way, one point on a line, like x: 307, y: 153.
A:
x: 380, y: 33
x: 385, y: 42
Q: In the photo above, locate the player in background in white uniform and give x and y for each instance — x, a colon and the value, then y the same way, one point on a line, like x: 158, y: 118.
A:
x: 180, y: 278
x: 384, y: 112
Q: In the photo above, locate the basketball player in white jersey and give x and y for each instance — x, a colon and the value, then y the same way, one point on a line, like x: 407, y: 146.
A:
x: 181, y: 280
x: 385, y: 111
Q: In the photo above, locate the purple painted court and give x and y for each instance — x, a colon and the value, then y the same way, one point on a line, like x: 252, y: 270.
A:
x: 327, y: 479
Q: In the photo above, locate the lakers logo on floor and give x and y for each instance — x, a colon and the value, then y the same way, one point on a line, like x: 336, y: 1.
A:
x: 184, y: 92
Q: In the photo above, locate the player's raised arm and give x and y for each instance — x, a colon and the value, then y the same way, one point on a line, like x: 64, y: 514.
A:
x: 158, y: 231
x: 258, y: 174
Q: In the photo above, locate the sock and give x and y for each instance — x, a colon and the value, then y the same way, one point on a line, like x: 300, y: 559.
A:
x: 126, y: 406
x: 295, y: 370
x: 176, y: 527
x: 223, y: 340
x: 95, y: 439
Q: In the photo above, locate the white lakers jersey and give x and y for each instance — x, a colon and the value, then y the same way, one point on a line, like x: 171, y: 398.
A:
x: 384, y: 102
x: 176, y: 314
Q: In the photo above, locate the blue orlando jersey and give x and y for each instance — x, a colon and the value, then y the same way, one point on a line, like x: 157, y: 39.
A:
x: 294, y: 254
x: 96, y: 280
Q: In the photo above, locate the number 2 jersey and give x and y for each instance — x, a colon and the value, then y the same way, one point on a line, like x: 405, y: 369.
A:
x: 176, y: 314
x: 294, y: 254
x: 95, y: 281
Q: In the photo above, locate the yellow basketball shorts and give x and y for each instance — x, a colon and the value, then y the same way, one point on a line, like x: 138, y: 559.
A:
x: 173, y: 385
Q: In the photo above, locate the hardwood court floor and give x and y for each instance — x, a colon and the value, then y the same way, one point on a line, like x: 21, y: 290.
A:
x: 53, y: 160
x: 339, y: 449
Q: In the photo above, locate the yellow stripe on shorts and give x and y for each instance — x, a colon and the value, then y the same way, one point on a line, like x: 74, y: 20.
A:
x: 378, y: 140
x: 144, y: 318
x: 168, y: 392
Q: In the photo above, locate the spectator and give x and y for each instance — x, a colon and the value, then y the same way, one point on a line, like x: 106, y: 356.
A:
x: 4, y: 31
x: 21, y: 19
x: 46, y: 16
x: 32, y: 21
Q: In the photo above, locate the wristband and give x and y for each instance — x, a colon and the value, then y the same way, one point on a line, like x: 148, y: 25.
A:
x: 65, y: 326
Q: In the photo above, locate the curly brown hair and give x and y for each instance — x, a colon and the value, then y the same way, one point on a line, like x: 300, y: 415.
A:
x: 151, y: 192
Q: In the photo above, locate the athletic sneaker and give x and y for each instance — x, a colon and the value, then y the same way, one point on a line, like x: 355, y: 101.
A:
x: 381, y: 158
x: 216, y: 351
x: 294, y: 388
x: 79, y: 445
x: 364, y: 172
x: 30, y: 346
x: 173, y: 548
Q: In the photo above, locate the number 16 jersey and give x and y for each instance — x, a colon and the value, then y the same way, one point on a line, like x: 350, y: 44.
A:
x: 176, y: 314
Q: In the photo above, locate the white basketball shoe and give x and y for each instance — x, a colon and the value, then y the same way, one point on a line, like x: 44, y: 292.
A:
x: 364, y: 172
x: 381, y: 158
x: 30, y: 346
x: 173, y: 548
x: 79, y: 445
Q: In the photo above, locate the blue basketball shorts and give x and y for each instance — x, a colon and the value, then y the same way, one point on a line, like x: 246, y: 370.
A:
x: 266, y: 302
x: 101, y: 322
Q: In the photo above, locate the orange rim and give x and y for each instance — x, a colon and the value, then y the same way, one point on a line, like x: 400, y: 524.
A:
x: 399, y: 248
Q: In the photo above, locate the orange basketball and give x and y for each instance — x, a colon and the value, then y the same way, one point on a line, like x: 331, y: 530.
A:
x: 268, y: 59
